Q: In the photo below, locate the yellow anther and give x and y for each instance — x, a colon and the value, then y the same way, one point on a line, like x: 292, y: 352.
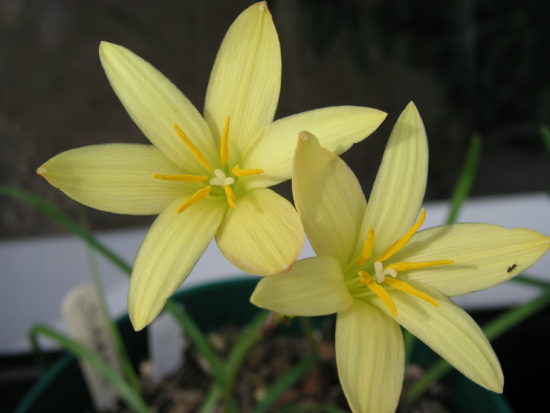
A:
x: 181, y: 178
x: 230, y: 195
x: 197, y: 196
x: 194, y: 150
x: 400, y: 243
x: 409, y: 289
x: 367, y: 248
x: 378, y: 290
x: 237, y: 171
x: 406, y: 266
x: 224, y: 143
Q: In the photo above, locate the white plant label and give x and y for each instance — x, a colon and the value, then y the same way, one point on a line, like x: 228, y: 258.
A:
x: 166, y: 343
x: 89, y: 325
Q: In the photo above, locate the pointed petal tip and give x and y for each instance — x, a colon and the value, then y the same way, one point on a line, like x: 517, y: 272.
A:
x: 41, y: 170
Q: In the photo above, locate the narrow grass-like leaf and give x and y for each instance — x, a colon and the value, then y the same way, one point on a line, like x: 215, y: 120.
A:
x: 466, y: 179
x: 127, y: 394
x: 127, y: 368
x: 283, y: 384
x: 248, y: 339
x: 193, y: 333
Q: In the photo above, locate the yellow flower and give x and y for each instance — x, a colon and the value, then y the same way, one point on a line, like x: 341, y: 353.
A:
x: 206, y: 177
x: 377, y: 272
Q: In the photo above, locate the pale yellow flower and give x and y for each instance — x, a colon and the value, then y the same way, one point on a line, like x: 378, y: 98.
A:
x: 206, y: 177
x: 377, y: 272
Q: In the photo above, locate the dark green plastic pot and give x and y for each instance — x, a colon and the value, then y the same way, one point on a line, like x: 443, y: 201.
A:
x: 62, y: 388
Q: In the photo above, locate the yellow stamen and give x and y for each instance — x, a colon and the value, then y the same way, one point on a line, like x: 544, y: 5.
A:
x: 367, y: 248
x: 237, y: 171
x: 400, y: 243
x: 230, y: 195
x: 409, y: 289
x: 224, y: 143
x: 181, y: 178
x: 406, y: 266
x: 197, y: 196
x: 194, y: 150
x: 378, y: 290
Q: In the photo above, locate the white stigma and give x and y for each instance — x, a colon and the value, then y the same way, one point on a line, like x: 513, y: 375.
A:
x: 381, y: 272
x: 221, y: 179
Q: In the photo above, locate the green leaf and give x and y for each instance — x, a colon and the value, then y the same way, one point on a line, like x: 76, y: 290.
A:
x: 466, y: 179
x: 127, y: 394
x: 193, y: 333
x: 284, y: 383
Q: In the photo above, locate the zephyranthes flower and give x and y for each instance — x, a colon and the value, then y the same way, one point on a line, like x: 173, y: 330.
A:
x: 377, y: 272
x: 205, y: 176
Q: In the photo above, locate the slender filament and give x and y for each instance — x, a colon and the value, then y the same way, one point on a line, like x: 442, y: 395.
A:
x: 197, y: 196
x: 194, y: 150
x: 378, y: 290
x: 230, y: 195
x: 401, y: 242
x: 367, y: 248
x: 181, y: 178
x: 409, y: 289
x: 237, y: 171
x: 406, y: 266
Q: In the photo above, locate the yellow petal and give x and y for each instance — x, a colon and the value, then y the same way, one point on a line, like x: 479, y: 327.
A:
x: 399, y: 187
x: 262, y: 235
x: 337, y: 128
x: 312, y: 287
x: 484, y: 255
x: 329, y: 199
x: 370, y: 358
x: 115, y: 178
x: 169, y: 252
x: 451, y: 333
x: 155, y: 104
x: 245, y: 80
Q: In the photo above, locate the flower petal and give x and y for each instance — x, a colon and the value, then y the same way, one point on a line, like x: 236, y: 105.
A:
x: 154, y: 104
x: 401, y: 181
x: 262, y: 235
x: 370, y: 358
x: 246, y: 79
x: 329, y: 199
x: 484, y: 255
x: 312, y: 287
x: 337, y: 128
x: 168, y: 254
x: 451, y: 333
x: 115, y: 178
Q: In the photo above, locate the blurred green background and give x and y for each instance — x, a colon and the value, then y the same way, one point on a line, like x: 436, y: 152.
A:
x: 470, y: 66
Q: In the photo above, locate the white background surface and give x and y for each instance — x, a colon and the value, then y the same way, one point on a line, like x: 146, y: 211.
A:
x: 37, y: 273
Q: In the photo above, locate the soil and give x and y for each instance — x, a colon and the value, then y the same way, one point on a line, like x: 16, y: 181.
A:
x: 268, y: 361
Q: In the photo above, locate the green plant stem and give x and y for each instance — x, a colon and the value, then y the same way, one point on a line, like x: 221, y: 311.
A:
x: 127, y: 368
x: 248, y: 339
x: 533, y: 282
x: 131, y: 398
x: 192, y: 331
x: 492, y: 330
x: 284, y: 383
x: 466, y: 179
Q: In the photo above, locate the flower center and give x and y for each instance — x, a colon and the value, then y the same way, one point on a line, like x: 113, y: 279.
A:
x: 215, y: 177
x: 386, y: 275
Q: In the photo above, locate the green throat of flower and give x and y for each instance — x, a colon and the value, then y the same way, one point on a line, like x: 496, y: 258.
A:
x: 381, y: 277
x: 218, y: 181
